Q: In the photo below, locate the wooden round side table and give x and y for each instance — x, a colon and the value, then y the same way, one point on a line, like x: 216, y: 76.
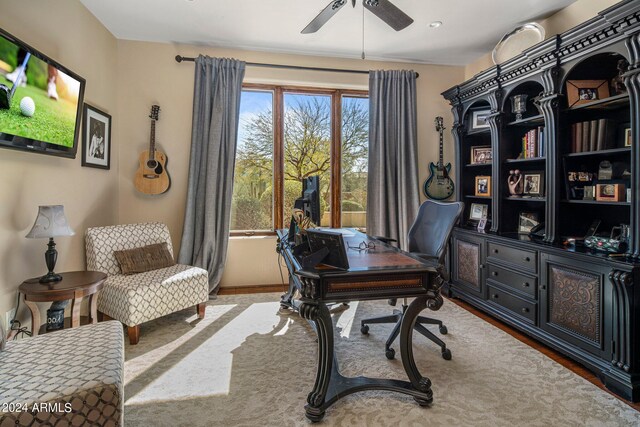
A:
x: 74, y: 286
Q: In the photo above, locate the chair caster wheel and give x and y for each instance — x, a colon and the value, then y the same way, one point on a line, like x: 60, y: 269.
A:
x: 390, y: 353
x: 443, y: 330
x: 364, y: 329
x: 446, y: 354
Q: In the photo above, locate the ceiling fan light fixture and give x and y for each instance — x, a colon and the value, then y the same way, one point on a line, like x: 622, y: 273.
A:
x: 435, y: 24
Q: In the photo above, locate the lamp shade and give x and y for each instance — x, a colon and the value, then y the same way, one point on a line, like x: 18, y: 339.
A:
x: 50, y: 222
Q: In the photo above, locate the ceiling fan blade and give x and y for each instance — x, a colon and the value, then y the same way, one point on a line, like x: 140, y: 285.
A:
x: 394, y: 17
x: 323, y: 16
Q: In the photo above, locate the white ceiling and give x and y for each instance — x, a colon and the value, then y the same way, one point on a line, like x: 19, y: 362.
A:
x: 470, y: 28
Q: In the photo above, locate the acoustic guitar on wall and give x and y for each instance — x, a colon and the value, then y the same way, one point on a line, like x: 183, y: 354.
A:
x: 439, y: 185
x: 151, y: 176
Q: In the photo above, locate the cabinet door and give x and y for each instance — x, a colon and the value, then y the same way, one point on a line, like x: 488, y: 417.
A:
x: 468, y: 264
x: 575, y: 303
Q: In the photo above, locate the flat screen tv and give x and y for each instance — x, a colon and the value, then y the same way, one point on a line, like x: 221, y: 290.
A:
x: 40, y: 101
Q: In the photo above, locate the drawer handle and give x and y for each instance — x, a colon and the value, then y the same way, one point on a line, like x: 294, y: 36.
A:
x: 494, y: 273
x: 526, y: 284
x: 526, y: 259
x: 481, y: 266
x: 495, y: 296
x: 543, y: 287
x: 495, y: 251
x: 525, y: 310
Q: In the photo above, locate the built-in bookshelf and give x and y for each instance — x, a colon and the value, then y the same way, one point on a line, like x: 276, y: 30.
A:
x: 562, y: 121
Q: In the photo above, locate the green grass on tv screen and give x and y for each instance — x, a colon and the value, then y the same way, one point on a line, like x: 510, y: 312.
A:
x: 53, y: 121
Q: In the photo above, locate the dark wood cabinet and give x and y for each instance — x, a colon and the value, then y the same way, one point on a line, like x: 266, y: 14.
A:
x: 578, y: 133
x: 575, y: 303
x: 468, y: 256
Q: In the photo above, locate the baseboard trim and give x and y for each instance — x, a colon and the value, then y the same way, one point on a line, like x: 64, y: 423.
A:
x: 255, y: 289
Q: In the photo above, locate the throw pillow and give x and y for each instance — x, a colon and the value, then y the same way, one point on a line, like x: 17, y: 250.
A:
x: 147, y: 258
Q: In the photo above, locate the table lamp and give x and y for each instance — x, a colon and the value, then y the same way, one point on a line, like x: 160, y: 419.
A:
x: 50, y: 223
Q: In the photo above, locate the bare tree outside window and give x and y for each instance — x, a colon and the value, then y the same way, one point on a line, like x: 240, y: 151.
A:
x: 306, y: 130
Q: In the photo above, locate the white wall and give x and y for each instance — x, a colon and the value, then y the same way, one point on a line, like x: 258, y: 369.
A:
x: 68, y: 33
x: 153, y: 76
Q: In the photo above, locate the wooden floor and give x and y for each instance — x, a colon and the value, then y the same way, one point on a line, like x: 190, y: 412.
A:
x: 554, y: 355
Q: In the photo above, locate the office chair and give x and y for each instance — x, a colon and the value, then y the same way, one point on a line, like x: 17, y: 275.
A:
x: 427, y: 238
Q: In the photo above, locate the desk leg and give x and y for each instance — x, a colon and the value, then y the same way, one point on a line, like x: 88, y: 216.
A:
x: 420, y: 383
x: 286, y: 300
x: 75, y: 312
x: 35, y: 317
x: 319, y: 314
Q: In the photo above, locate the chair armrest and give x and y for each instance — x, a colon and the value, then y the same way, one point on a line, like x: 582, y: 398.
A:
x: 384, y: 239
x: 426, y: 257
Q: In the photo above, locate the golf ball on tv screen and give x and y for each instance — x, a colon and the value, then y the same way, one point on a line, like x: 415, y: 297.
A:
x: 27, y: 106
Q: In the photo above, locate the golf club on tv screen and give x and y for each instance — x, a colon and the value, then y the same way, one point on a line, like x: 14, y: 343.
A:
x: 40, y: 101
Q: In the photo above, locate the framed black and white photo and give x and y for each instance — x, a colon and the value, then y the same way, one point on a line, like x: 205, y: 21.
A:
x: 478, y: 211
x: 526, y: 221
x: 627, y: 137
x: 479, y: 119
x: 96, y: 138
x: 483, y: 186
x: 534, y: 184
x: 481, y: 155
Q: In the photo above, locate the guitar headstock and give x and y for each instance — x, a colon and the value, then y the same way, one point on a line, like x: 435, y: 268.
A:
x: 439, y: 122
x: 155, y: 109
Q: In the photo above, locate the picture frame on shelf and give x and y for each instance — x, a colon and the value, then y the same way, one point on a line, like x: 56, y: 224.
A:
x: 627, y: 137
x: 586, y: 91
x: 478, y: 211
x: 482, y: 224
x: 610, y: 192
x: 483, y: 186
x: 526, y: 221
x: 479, y: 119
x: 534, y: 184
x: 481, y: 154
x: 96, y: 138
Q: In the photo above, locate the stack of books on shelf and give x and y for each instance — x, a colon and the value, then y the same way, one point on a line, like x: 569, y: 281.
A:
x: 533, y: 143
x: 594, y: 135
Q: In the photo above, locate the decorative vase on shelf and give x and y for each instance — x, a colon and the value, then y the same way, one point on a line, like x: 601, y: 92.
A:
x: 516, y: 187
x: 519, y: 105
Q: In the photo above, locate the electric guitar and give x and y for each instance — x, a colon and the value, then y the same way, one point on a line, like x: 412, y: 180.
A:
x: 151, y: 176
x: 439, y: 185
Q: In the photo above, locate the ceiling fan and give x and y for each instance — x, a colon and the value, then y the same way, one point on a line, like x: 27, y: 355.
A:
x: 383, y: 9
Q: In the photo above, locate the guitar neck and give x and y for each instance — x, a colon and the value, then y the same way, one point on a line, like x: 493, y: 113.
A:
x: 441, y: 158
x: 152, y: 142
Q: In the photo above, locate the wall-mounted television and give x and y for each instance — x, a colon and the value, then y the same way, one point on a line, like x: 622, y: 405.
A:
x: 40, y: 101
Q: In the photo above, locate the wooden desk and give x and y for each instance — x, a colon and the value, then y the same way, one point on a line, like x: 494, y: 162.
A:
x: 74, y: 286
x: 380, y: 273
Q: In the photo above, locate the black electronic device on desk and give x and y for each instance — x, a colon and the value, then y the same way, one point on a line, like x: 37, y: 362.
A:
x: 325, y: 247
x: 306, y: 208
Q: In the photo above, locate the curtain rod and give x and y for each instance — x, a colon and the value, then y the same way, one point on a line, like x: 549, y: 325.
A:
x: 180, y: 58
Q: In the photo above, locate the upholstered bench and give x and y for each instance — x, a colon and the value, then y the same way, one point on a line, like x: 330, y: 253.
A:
x: 137, y: 298
x: 68, y: 377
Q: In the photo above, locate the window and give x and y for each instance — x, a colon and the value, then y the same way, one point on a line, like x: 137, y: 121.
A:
x: 287, y: 134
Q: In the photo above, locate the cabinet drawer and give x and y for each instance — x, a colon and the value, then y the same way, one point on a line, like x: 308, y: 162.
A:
x: 516, y: 305
x: 518, y: 282
x: 527, y: 260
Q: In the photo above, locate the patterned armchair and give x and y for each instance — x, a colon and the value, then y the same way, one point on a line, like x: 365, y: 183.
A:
x: 137, y: 298
x: 71, y: 377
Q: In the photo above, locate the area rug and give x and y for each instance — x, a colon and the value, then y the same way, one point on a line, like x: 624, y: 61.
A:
x: 248, y: 363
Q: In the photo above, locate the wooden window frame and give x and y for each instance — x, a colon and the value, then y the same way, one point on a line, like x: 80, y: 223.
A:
x: 278, y: 149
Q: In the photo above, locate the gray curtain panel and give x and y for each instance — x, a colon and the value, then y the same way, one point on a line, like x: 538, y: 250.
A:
x: 392, y: 191
x: 216, y: 111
